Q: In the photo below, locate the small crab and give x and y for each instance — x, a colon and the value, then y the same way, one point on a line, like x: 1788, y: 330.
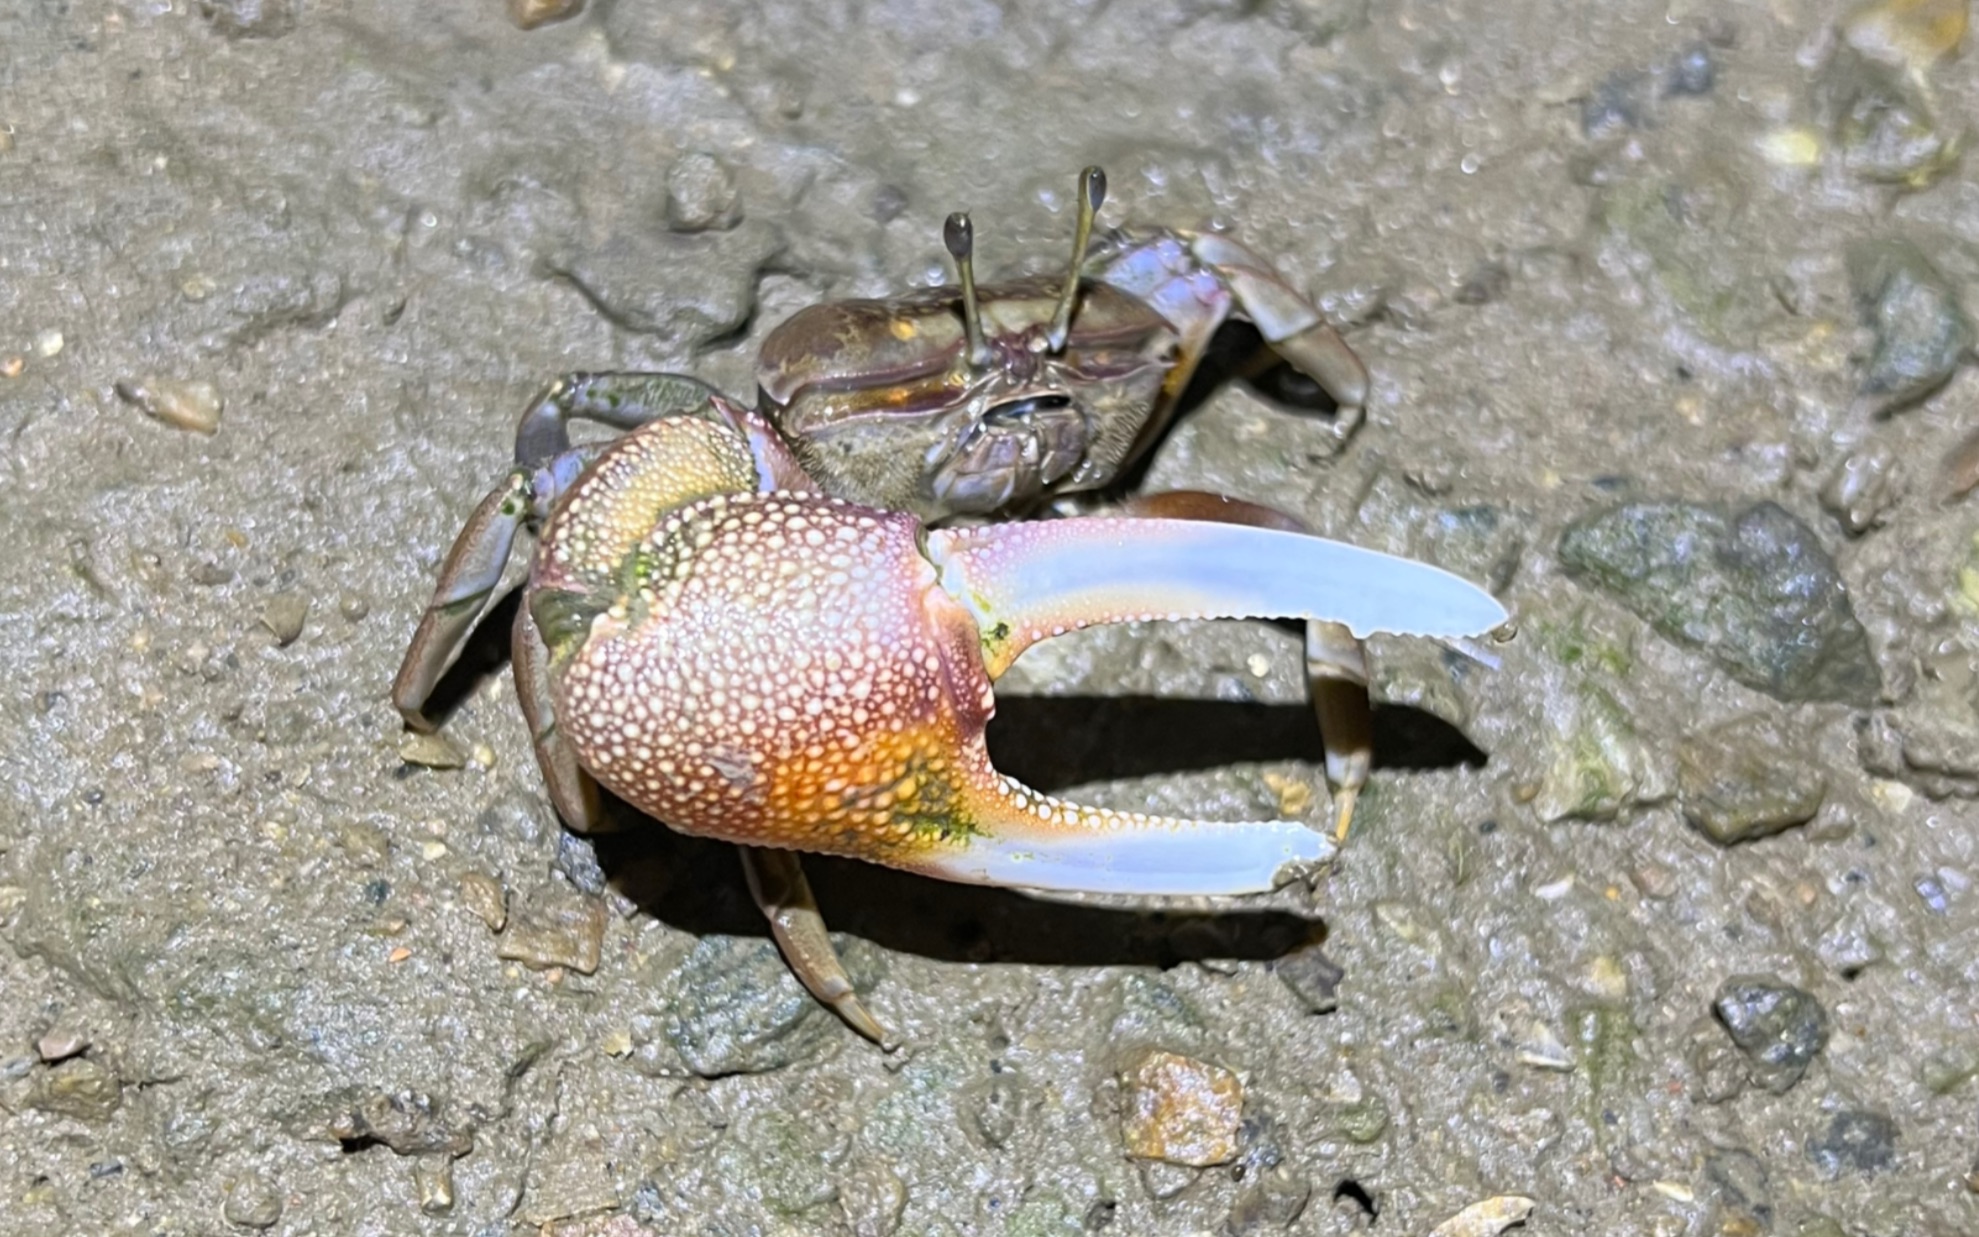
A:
x: 730, y: 643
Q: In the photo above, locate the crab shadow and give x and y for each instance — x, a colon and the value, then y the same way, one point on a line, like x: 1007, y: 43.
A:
x: 1052, y: 743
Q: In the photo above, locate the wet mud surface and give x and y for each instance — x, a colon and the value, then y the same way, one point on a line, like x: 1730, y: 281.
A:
x: 1666, y: 924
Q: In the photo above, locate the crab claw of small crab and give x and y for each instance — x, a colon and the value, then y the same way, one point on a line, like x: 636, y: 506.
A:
x: 799, y: 672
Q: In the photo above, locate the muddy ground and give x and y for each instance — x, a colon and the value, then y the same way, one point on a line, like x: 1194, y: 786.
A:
x: 1665, y: 924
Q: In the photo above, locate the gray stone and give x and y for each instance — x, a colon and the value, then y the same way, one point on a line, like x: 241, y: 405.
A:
x: 556, y: 929
x: 1854, y: 1140
x: 283, y: 616
x: 1271, y: 1194
x: 1779, y: 1028
x: 1754, y: 589
x: 252, y: 1203
x: 1743, y: 780
x: 701, y: 195
x: 1312, y: 976
x: 1881, y: 122
x: 734, y: 1008
x: 1922, y: 333
x: 1937, y: 754
x: 78, y: 1088
x: 1863, y: 487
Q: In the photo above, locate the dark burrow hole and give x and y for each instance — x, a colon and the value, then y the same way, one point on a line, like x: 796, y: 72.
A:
x: 1354, y: 1192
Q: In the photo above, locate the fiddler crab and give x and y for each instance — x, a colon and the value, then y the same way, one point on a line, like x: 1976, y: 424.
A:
x: 743, y: 622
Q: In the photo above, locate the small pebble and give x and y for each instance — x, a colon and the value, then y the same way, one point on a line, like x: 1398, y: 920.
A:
x: 62, y: 1041
x: 1693, y: 72
x: 1855, y: 1140
x: 194, y: 406
x: 433, y: 1181
x: 1654, y: 880
x: 1487, y: 1218
x: 252, y: 1204
x: 1907, y: 34
x: 529, y: 14
x: 1779, y: 1028
x: 78, y: 1088
x: 992, y: 1108
x: 367, y: 844
x: 556, y: 932
x: 701, y: 195
x: 1312, y: 976
x: 1863, y: 488
x: 1745, y: 779
x: 1544, y: 1050
x: 12, y: 367
x: 1164, y: 1181
x: 353, y: 607
x: 1922, y: 331
x: 1606, y: 978
x: 1961, y: 469
x: 484, y: 895
x: 1181, y: 1110
x: 49, y: 343
x: 430, y: 751
x: 283, y: 616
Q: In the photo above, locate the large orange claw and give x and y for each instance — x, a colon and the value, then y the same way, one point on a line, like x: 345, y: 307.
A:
x: 795, y: 671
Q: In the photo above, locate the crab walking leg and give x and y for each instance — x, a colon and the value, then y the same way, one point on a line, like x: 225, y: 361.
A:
x: 1336, y: 674
x: 1026, y: 582
x: 1290, y: 323
x: 623, y: 401
x: 1336, y: 664
x: 472, y: 569
x: 572, y: 791
x: 776, y: 881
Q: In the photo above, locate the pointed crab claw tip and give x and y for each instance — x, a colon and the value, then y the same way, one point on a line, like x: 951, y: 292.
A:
x: 1031, y: 581
x: 1033, y: 841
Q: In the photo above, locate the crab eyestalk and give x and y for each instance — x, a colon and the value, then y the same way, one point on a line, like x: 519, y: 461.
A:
x: 960, y: 237
x: 1092, y: 195
x: 804, y: 673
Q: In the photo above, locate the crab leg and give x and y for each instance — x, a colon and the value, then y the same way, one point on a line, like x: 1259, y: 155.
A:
x: 1288, y: 321
x: 623, y: 401
x: 777, y: 882
x: 573, y: 792
x: 1336, y: 664
x: 472, y: 571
